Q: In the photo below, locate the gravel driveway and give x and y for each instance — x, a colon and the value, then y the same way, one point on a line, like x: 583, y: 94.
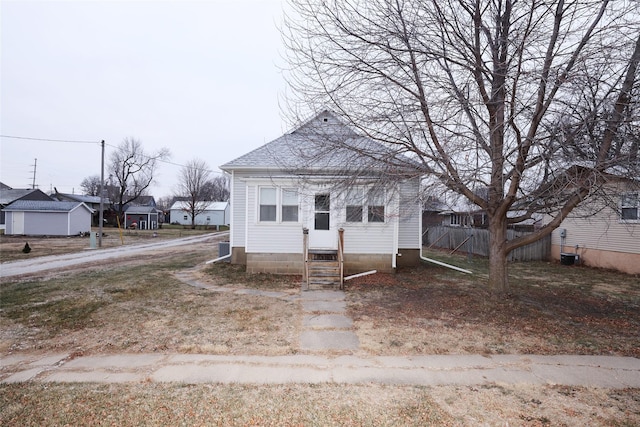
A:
x: 55, y: 262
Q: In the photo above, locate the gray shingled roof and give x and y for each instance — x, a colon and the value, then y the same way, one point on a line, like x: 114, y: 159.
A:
x: 133, y: 209
x: 43, y: 206
x: 324, y: 144
x: 9, y: 195
x: 80, y: 198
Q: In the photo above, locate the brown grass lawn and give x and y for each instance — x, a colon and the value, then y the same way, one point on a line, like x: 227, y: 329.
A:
x: 551, y: 309
x: 140, y: 306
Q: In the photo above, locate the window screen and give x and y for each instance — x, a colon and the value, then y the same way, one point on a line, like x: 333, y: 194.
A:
x: 375, y: 206
x: 355, y: 199
x: 289, y: 205
x: 267, y: 204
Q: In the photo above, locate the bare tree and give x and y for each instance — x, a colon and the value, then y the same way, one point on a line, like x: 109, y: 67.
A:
x: 521, y: 108
x: 91, y: 185
x: 133, y: 171
x: 217, y: 189
x: 192, y: 183
x: 164, y: 203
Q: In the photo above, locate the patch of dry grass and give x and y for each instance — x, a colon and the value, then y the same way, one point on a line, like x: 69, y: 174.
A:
x: 142, y: 308
x: 35, y: 404
x: 552, y: 309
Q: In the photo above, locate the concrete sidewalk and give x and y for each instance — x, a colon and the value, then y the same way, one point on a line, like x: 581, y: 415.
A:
x: 326, y: 328
x: 590, y: 371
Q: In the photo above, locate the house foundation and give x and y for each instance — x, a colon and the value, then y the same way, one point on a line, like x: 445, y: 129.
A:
x: 625, y: 262
x: 408, y: 258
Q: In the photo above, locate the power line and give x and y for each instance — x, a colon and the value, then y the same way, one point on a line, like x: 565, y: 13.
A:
x: 170, y: 163
x: 91, y: 142
x: 50, y: 140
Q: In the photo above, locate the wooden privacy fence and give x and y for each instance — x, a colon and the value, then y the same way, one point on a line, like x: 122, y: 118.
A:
x: 476, y: 241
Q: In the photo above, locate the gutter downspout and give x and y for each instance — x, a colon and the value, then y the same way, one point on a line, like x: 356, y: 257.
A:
x: 218, y: 259
x: 440, y: 263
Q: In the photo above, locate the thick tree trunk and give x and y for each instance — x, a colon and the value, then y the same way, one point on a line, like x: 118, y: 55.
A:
x: 498, y: 278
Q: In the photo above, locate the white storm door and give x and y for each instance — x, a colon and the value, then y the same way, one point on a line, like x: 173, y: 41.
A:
x: 322, y: 232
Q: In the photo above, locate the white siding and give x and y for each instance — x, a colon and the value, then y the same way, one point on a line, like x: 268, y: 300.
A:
x: 281, y: 237
x: 238, y: 211
x: 270, y: 237
x: 79, y: 221
x: 410, y: 211
x: 216, y: 217
x: 602, y: 231
x: 370, y: 238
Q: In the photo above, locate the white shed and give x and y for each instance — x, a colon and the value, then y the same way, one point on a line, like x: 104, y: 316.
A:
x: 210, y: 213
x: 47, y: 218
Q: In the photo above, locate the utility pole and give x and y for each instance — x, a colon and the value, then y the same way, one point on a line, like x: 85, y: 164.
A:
x: 101, y: 215
x: 33, y: 180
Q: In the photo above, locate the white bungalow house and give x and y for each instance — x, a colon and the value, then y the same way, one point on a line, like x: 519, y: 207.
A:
x: 602, y: 235
x: 291, y: 198
x: 209, y: 213
x: 47, y: 218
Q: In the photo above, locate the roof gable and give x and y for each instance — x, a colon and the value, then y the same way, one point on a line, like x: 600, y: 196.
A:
x: 135, y: 209
x: 323, y: 144
x: 11, y: 195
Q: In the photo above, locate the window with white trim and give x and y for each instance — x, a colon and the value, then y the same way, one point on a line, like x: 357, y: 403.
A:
x: 365, y: 206
x: 375, y: 205
x: 354, y: 202
x: 268, y: 203
x: 630, y: 207
x: 289, y: 205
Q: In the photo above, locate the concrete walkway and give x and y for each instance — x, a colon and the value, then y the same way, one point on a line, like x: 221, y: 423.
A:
x: 590, y: 371
x: 326, y: 328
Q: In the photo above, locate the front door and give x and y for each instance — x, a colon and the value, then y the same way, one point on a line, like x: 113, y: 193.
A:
x: 322, y: 233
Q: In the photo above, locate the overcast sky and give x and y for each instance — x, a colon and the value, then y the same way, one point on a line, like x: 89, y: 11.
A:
x: 201, y: 78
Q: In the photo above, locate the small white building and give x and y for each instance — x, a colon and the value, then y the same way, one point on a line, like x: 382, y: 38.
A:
x: 210, y: 213
x: 47, y: 218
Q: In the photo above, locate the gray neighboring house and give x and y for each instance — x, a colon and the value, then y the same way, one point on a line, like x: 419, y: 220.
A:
x: 47, y: 218
x: 9, y: 195
x: 91, y: 201
x: 144, y: 217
